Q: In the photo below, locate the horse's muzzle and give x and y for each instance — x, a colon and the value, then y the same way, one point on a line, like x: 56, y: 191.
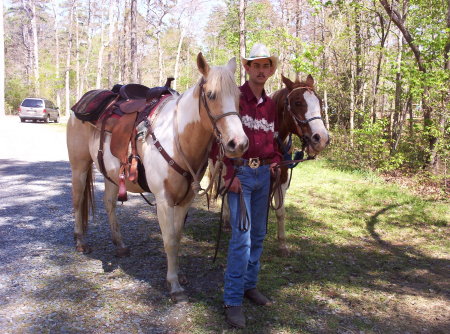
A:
x: 236, y: 148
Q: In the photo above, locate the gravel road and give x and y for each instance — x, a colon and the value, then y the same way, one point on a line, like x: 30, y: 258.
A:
x: 45, y: 286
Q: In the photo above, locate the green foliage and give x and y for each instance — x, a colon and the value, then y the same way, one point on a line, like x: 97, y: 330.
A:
x: 306, y: 61
x: 15, y: 92
x: 371, y: 148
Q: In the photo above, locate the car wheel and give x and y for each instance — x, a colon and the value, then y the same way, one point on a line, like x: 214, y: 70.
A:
x: 46, y: 119
x: 22, y: 120
x: 57, y: 119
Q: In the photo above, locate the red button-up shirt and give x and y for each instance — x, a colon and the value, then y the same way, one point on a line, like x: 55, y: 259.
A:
x: 260, y: 125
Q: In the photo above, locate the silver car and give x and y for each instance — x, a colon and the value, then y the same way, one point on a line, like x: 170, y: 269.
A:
x: 38, y: 109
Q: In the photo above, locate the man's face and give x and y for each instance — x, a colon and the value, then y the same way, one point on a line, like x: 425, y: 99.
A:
x: 259, y: 71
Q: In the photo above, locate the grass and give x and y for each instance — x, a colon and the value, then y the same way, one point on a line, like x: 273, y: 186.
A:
x: 366, y: 257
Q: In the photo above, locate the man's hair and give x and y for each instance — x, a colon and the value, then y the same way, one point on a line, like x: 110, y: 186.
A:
x: 249, y: 62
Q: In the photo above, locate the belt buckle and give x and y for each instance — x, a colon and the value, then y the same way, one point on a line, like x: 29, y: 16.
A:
x: 253, y: 163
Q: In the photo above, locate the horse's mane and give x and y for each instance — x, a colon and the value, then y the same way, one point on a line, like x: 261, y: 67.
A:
x: 221, y: 80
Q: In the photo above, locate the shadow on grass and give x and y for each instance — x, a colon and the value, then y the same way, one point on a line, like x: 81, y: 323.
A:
x: 376, y: 265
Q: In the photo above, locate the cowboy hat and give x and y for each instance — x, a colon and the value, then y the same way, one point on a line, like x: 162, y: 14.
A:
x: 260, y: 51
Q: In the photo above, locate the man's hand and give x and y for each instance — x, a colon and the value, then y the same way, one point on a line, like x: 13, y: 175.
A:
x: 235, y: 185
x: 273, y: 169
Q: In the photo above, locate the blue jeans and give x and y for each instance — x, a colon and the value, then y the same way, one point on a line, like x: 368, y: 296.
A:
x: 245, y: 247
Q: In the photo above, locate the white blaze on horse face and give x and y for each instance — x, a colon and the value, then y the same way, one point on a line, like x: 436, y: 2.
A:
x: 317, y: 127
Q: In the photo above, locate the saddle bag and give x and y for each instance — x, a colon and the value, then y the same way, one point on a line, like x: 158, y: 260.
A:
x: 91, y: 104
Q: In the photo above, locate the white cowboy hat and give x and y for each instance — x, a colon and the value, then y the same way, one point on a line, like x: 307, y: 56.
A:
x: 260, y: 51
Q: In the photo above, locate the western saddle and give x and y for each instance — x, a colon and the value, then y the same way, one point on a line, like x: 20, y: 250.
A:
x: 128, y: 106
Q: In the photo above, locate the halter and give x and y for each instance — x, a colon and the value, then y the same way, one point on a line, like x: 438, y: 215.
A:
x: 288, y: 106
x: 214, y: 119
x: 300, y: 122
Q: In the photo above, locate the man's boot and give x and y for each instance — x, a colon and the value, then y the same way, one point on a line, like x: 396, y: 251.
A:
x: 234, y: 316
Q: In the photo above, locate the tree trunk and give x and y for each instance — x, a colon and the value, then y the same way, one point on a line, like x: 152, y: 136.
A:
x: 398, y: 97
x: 2, y: 65
x: 69, y: 49
x: 398, y: 20
x: 160, y: 58
x: 112, y: 28
x: 55, y: 31
x: 125, y: 54
x: 325, y: 109
x: 100, y: 54
x: 242, y: 8
x: 352, y: 105
x: 90, y: 33
x: 35, y: 48
x: 133, y: 42
x: 26, y: 31
x: 77, y: 56
x: 177, y: 60
x: 358, y: 57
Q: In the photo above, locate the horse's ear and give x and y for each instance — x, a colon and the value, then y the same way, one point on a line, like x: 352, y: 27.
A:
x: 288, y: 83
x: 310, y: 81
x: 202, y: 65
x: 232, y: 65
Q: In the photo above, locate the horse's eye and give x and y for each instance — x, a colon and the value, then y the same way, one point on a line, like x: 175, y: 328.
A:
x: 297, y: 103
x: 211, y: 95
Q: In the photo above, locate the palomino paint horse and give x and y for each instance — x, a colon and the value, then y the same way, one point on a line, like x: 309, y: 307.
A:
x: 207, y: 109
x: 299, y: 112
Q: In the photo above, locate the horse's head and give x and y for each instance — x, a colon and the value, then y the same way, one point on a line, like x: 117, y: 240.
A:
x: 219, y: 98
x: 304, y: 107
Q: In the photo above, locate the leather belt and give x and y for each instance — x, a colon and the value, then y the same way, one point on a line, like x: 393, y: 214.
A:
x: 251, y: 162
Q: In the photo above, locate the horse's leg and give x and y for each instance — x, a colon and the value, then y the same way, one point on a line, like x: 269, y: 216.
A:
x: 226, y: 214
x: 281, y: 214
x: 110, y: 201
x: 171, y: 221
x: 78, y: 135
x: 81, y: 198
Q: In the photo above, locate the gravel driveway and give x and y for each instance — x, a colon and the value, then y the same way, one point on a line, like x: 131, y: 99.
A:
x: 45, y: 286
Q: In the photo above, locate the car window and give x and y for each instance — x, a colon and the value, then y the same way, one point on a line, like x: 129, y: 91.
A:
x: 33, y: 103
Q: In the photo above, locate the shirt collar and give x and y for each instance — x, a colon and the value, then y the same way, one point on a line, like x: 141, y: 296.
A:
x: 248, y: 94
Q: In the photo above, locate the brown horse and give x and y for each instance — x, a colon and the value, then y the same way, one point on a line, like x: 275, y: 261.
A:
x: 298, y: 112
x: 185, y: 126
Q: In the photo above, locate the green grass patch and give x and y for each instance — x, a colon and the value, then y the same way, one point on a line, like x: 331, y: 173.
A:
x: 362, y: 252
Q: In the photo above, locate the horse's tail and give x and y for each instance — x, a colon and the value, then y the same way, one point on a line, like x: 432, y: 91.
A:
x: 88, y: 200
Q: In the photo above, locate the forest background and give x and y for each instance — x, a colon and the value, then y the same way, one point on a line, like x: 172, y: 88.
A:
x: 382, y: 67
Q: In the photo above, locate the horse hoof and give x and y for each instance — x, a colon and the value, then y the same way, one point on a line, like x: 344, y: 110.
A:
x: 179, y: 297
x: 284, y: 252
x: 85, y: 249
x: 123, y: 252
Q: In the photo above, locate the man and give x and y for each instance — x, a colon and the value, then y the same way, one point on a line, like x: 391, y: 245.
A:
x: 252, y: 182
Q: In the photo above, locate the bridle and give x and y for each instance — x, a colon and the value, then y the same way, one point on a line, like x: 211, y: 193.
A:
x: 300, y: 122
x: 196, y: 187
x: 213, y: 118
x: 294, y: 116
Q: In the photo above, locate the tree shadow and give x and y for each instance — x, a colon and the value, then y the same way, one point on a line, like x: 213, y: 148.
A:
x: 37, y: 223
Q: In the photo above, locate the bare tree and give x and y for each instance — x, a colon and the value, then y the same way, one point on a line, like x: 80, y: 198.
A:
x: 55, y: 31
x: 242, y: 8
x: 29, y: 6
x: 133, y: 41
x: 2, y: 64
x: 69, y: 50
